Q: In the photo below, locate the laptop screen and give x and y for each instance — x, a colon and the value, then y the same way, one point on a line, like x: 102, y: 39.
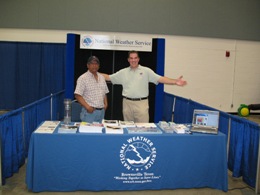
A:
x: 205, y: 118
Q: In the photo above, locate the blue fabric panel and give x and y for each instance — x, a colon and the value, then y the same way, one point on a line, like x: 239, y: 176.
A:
x: 43, y: 110
x: 244, y: 138
x: 52, y: 63
x: 30, y: 124
x: 7, y: 75
x: 235, y: 147
x: 15, y: 133
x: 224, y: 122
x: 28, y: 72
x: 58, y: 106
x: 250, y: 153
x: 13, y: 152
x: 168, y: 107
x: 243, y: 149
x: 70, y: 63
x: 31, y: 71
x: 182, y: 111
x: 160, y: 87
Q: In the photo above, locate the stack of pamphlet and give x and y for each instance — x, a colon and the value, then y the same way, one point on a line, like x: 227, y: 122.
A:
x: 146, y: 125
x: 166, y: 127
x: 144, y: 128
x: 172, y: 127
x: 114, y: 130
x: 68, y: 128
x: 112, y: 127
x: 85, y: 127
x: 47, y: 127
x: 110, y: 122
x: 125, y: 124
x: 180, y: 128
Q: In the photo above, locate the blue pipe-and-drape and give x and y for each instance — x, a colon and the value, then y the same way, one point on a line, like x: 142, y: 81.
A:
x: 30, y: 123
x: 34, y: 114
x: 58, y: 106
x: 243, y: 141
x: 184, y: 109
x: 243, y: 149
x: 168, y: 107
x: 17, y: 126
x: 224, y: 122
x: 13, y: 153
x: 29, y: 72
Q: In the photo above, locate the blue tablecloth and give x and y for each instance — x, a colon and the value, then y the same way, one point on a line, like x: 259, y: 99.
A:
x: 95, y: 162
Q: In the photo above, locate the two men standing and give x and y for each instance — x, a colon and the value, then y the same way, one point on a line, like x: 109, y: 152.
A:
x: 135, y: 80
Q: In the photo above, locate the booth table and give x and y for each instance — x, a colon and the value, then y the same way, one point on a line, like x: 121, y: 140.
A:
x: 97, y: 162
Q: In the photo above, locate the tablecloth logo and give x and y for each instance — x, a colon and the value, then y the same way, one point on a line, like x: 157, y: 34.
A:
x: 138, y: 154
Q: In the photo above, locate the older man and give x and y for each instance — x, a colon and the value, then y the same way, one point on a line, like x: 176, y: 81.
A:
x: 90, y: 92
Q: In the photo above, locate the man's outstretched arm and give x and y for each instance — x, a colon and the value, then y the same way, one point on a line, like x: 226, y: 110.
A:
x: 106, y: 76
x: 169, y: 81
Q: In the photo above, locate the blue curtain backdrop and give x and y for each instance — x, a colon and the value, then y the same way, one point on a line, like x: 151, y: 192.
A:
x: 13, y: 151
x: 30, y: 71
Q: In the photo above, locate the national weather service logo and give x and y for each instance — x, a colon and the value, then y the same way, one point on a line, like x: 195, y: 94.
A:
x: 87, y: 41
x: 138, y: 154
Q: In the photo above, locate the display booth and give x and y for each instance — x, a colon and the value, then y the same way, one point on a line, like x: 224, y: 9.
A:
x: 110, y: 62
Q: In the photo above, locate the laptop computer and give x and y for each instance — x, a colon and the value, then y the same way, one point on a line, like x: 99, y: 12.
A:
x: 205, y: 121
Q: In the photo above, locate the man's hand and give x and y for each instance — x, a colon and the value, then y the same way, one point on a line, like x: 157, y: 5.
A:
x: 180, y: 81
x: 90, y: 109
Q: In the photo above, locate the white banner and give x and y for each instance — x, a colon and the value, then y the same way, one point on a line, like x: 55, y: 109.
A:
x: 107, y: 42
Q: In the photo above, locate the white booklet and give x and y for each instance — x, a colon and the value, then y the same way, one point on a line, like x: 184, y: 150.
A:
x: 110, y: 122
x: 114, y: 130
x: 127, y: 124
x: 47, y: 127
x: 144, y: 128
x: 70, y: 128
x: 145, y: 125
x: 85, y: 127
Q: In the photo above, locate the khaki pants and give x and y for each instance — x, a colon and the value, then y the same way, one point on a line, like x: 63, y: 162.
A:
x: 137, y: 111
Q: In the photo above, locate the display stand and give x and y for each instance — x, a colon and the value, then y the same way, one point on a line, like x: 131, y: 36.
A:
x: 112, y: 61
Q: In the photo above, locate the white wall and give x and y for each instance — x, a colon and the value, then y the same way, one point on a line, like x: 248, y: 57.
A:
x: 213, y: 79
x: 247, y: 73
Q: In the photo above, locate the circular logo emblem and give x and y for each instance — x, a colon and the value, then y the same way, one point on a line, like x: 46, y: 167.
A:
x: 138, y: 154
x: 87, y: 41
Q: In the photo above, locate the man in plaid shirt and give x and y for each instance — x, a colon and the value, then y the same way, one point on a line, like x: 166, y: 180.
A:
x: 90, y: 92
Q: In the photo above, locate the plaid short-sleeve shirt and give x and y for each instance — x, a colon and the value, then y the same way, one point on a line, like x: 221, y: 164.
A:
x: 93, y: 91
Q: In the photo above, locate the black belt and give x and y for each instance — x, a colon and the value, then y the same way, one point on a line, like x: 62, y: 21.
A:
x: 135, y: 99
x: 98, y: 108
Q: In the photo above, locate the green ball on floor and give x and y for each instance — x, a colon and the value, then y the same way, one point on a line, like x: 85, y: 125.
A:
x: 243, y: 110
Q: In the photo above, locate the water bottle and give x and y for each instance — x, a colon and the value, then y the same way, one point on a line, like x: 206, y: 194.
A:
x: 67, y: 111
